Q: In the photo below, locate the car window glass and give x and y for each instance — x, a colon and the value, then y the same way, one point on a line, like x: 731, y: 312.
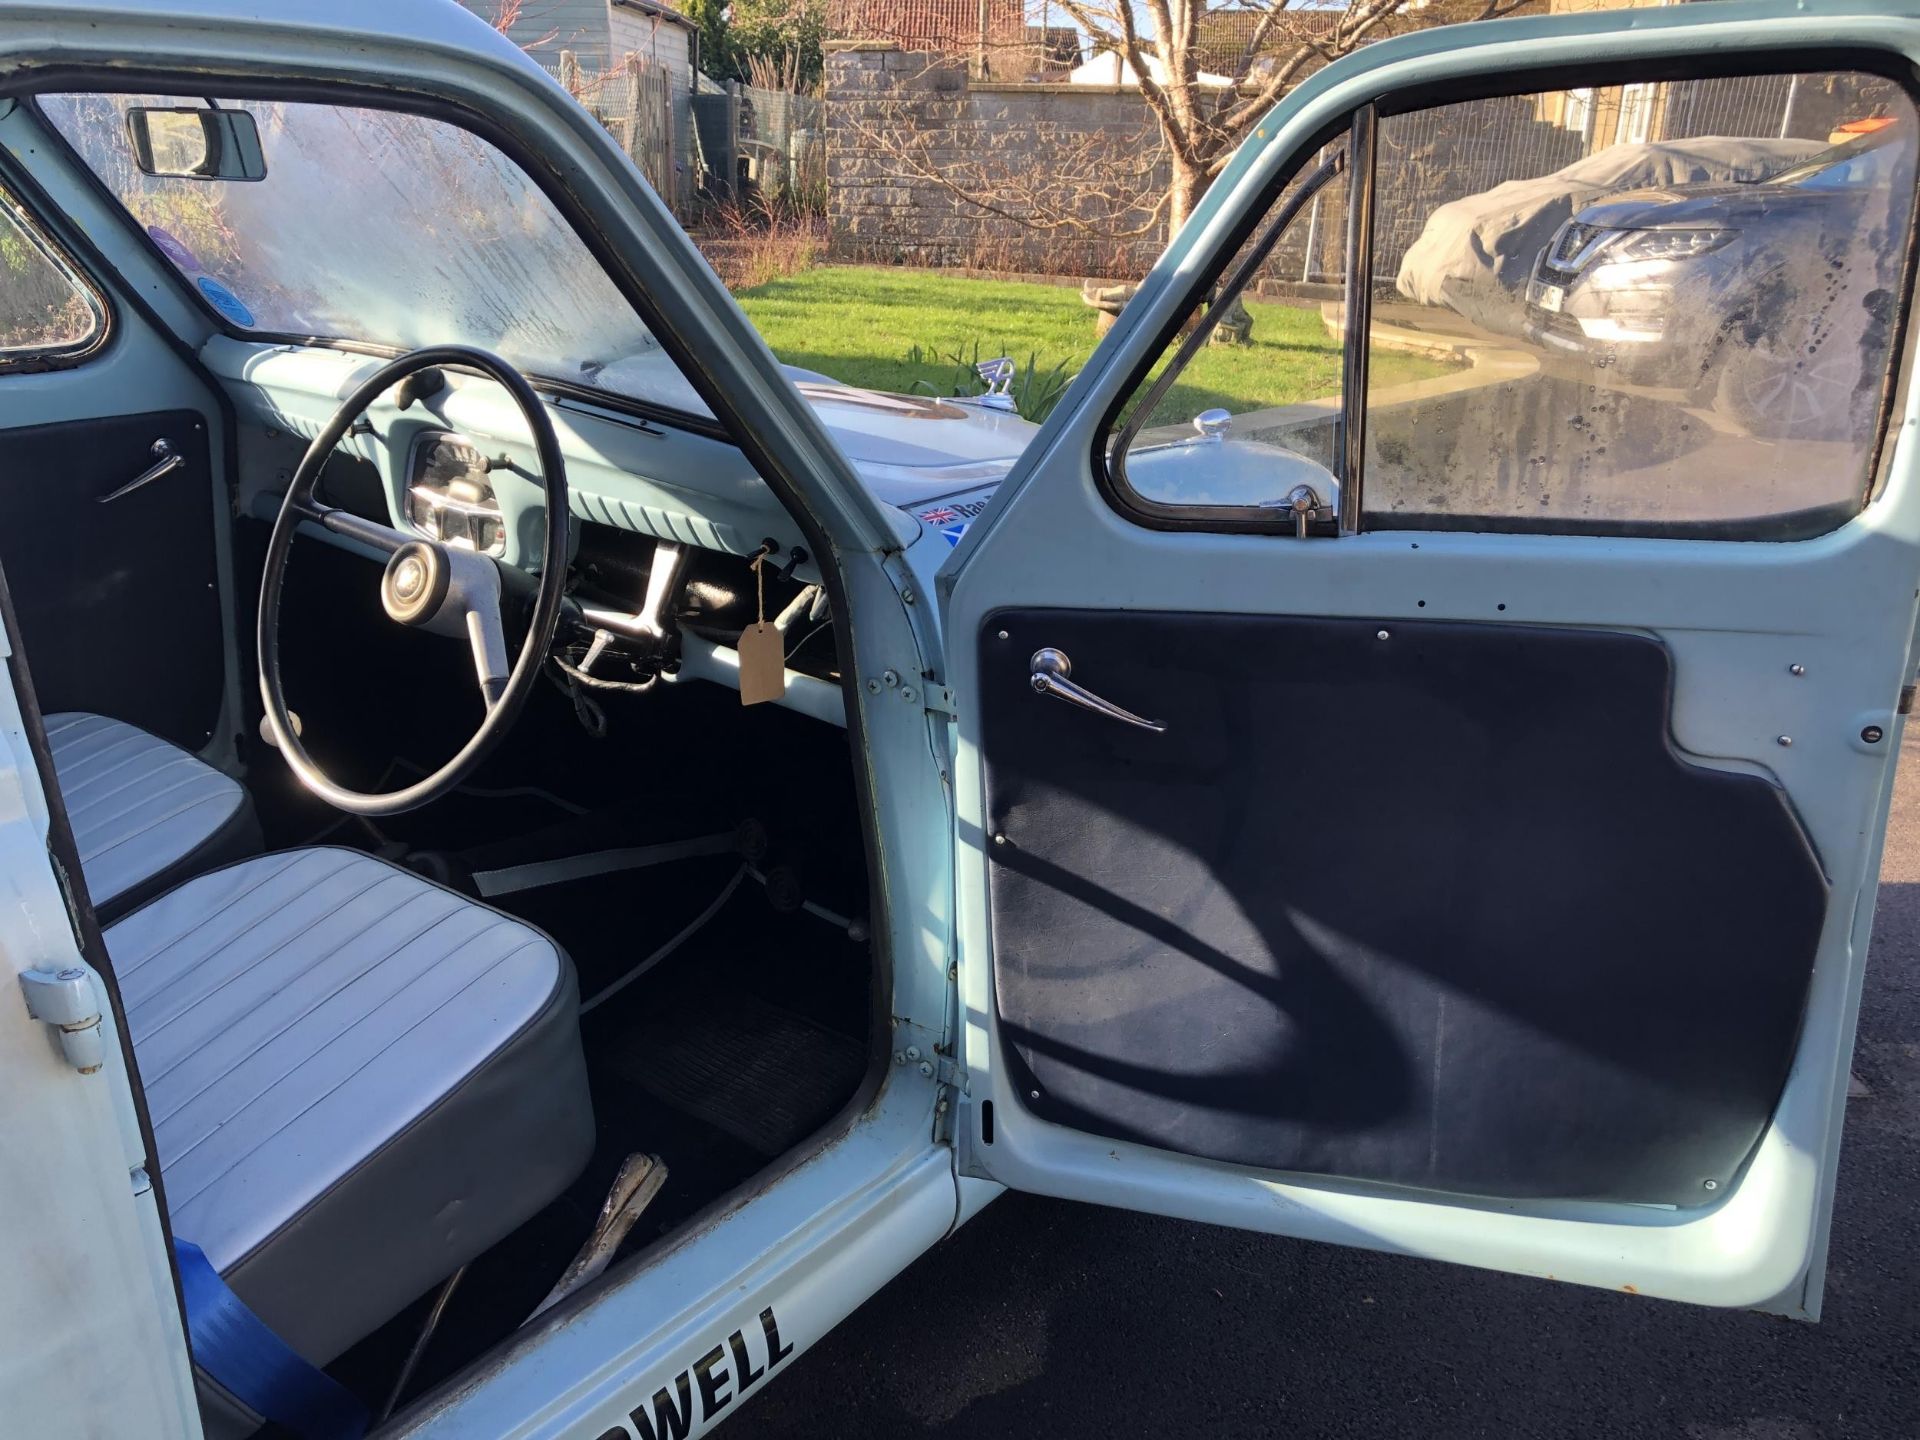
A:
x: 386, y: 228
x: 1672, y: 305
x: 45, y: 308
x: 1242, y: 408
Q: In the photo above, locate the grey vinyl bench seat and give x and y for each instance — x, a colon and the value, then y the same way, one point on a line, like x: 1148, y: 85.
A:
x: 358, y: 1081
x: 146, y: 814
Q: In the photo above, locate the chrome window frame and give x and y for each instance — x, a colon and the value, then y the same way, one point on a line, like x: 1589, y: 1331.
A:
x: 24, y: 359
x: 1360, y: 126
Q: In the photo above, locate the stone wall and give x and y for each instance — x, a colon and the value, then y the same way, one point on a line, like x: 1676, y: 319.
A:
x: 929, y: 167
x: 899, y: 123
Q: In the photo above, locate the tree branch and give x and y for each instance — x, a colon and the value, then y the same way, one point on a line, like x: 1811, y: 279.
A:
x: 1114, y: 179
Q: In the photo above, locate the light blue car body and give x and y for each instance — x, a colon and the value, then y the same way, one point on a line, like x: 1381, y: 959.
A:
x: 94, y: 1343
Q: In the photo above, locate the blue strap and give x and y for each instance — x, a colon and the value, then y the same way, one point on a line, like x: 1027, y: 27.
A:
x: 259, y: 1369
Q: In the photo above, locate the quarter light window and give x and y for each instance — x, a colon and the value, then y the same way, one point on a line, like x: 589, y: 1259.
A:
x: 47, y: 312
x: 1242, y: 410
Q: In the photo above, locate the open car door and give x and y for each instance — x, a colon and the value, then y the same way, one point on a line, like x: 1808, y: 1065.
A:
x: 91, y: 1330
x: 1445, y: 816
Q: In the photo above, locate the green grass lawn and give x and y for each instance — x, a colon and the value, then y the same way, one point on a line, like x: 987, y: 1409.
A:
x: 860, y: 325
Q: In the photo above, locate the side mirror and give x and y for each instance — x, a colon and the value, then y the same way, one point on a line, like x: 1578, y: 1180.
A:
x: 196, y: 144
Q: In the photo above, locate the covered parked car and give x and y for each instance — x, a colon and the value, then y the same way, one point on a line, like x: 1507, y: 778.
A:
x: 1475, y: 254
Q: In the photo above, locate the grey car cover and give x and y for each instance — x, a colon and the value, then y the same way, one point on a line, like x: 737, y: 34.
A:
x: 1475, y: 253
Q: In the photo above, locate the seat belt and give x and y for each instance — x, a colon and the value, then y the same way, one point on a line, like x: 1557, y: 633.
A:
x: 240, y: 1351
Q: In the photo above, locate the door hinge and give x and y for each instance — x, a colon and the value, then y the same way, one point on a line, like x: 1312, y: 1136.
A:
x: 65, y: 1000
x: 947, y: 1072
x: 950, y: 1096
x: 937, y: 1067
x: 1906, y: 700
x: 939, y: 699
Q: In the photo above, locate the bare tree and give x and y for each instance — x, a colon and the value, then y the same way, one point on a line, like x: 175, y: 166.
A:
x: 1203, y: 114
x: 507, y: 17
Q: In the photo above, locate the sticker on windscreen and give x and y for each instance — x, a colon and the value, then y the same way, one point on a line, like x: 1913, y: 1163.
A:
x: 171, y: 247
x: 225, y: 302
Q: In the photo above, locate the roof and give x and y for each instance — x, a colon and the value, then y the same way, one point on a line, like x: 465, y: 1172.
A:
x: 1225, y: 34
x: 658, y: 10
x: 952, y: 25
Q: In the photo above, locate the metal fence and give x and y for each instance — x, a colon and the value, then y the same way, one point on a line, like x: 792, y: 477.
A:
x: 1780, y: 107
x: 645, y: 107
x: 1427, y: 158
x: 771, y: 143
x: 1433, y: 156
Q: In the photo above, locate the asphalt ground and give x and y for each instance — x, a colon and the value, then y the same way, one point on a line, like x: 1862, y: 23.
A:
x: 1043, y: 1318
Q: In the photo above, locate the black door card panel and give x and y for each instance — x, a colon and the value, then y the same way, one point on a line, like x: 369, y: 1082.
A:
x: 118, y: 601
x: 1427, y: 904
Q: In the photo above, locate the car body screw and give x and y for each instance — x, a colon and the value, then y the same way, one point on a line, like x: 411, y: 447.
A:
x: 889, y: 678
x: 926, y: 1068
x: 999, y: 837
x: 1381, y: 635
x: 907, y: 595
x: 1796, y: 669
x: 899, y: 1057
x: 1783, y: 740
x: 873, y: 687
x: 1003, y: 634
x: 1033, y: 1094
x: 913, y: 1052
x: 1873, y: 734
x: 1709, y: 1184
x: 907, y: 694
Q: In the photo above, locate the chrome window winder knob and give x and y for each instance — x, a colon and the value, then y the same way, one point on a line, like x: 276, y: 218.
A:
x: 1050, y: 672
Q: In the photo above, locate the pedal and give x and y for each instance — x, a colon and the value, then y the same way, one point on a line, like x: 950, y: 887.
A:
x: 751, y: 840
x: 783, y: 889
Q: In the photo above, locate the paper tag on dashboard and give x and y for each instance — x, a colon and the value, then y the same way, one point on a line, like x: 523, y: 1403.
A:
x: 763, y: 664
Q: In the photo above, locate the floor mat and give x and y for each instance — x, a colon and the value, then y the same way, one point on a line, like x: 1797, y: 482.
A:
x: 764, y: 1075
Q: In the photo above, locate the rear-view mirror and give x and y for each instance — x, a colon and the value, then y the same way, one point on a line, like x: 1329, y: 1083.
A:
x: 196, y: 144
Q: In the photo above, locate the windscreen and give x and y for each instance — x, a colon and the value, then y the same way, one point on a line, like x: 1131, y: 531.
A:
x: 384, y: 228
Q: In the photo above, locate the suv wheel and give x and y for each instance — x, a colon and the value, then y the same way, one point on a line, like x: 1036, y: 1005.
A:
x: 1780, y: 393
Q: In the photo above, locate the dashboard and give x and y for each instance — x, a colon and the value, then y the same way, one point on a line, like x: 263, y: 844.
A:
x: 667, y: 520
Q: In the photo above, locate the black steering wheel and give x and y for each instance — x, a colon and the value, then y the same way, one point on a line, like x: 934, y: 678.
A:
x: 449, y: 590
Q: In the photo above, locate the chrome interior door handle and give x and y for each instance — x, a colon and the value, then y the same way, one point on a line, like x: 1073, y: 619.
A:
x: 165, y: 459
x: 1050, y: 671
